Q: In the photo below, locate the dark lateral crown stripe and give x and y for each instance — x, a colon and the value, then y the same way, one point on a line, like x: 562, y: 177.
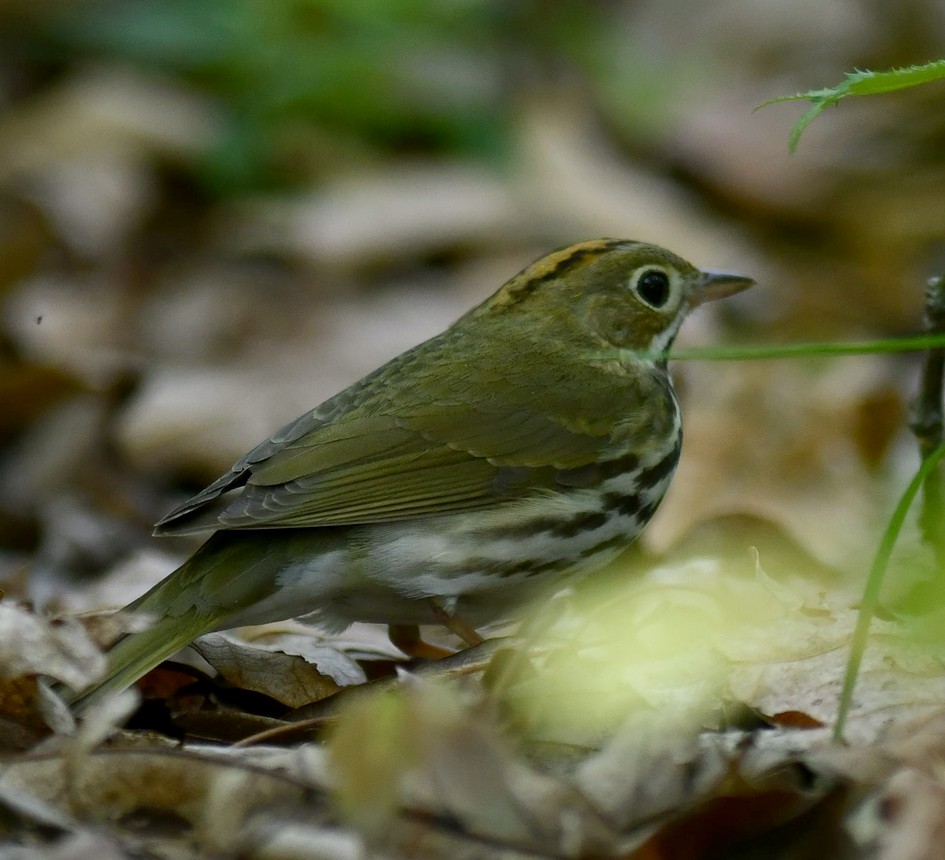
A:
x: 553, y: 266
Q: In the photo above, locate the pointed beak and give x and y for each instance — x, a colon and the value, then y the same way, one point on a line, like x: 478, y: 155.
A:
x: 718, y: 285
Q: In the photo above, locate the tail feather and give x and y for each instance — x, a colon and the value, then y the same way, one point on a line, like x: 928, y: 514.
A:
x: 135, y: 655
x: 229, y: 573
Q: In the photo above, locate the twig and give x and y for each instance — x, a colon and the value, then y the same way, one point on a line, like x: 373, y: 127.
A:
x: 928, y: 424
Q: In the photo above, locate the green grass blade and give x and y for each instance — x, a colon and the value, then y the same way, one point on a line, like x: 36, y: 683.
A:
x: 795, y: 350
x: 874, y: 586
x: 743, y: 352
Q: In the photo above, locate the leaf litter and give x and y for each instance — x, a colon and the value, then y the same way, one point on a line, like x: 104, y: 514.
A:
x: 602, y: 731
x: 687, y: 704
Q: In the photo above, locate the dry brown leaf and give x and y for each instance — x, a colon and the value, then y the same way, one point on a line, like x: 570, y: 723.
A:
x: 287, y: 678
x: 652, y: 767
x: 903, y: 819
x: 83, y: 149
x: 406, y: 209
x: 419, y: 748
x: 32, y: 645
x: 216, y: 805
x: 321, y: 652
x: 891, y: 791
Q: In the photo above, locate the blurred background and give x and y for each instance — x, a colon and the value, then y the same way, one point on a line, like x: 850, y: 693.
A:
x: 216, y: 213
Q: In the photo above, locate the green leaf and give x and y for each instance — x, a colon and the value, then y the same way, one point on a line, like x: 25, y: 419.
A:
x: 859, y: 83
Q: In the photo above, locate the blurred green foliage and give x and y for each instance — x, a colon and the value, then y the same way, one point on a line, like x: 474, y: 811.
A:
x: 304, y: 84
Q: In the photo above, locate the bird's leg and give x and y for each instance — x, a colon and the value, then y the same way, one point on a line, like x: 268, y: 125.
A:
x: 407, y: 638
x: 455, y: 624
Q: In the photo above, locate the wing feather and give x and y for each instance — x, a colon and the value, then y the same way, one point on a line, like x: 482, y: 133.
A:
x: 397, y: 446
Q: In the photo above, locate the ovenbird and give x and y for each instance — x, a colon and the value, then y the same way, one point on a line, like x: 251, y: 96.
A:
x: 528, y: 443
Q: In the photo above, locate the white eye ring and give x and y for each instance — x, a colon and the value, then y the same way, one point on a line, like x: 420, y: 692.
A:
x: 658, y: 287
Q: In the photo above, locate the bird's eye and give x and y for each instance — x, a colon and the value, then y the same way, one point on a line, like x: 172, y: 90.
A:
x: 653, y: 287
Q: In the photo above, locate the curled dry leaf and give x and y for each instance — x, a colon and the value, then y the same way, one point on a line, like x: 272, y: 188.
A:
x: 292, y: 679
x: 328, y: 658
